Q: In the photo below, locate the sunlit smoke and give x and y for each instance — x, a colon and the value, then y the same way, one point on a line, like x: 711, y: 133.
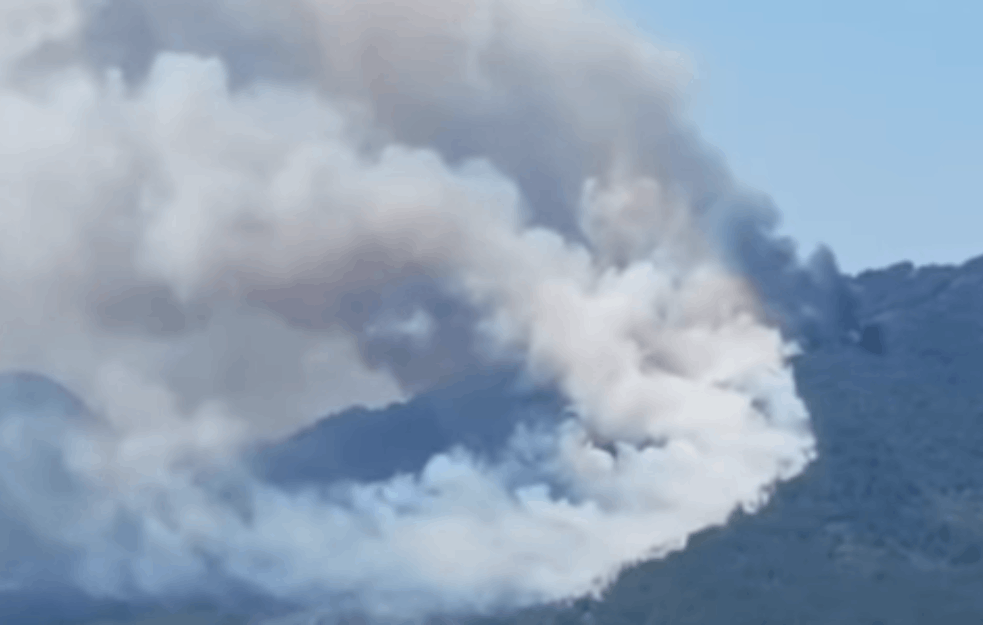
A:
x: 224, y: 221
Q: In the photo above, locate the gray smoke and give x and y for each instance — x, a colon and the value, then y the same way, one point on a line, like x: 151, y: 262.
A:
x: 226, y: 220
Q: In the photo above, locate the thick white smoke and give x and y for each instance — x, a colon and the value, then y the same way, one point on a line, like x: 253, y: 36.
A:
x: 205, y: 205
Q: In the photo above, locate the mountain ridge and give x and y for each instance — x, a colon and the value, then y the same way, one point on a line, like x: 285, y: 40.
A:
x: 884, y: 528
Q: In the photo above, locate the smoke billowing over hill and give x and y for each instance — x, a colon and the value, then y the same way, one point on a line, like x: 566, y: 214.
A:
x: 224, y: 221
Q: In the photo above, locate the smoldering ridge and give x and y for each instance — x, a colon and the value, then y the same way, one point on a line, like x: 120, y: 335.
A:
x: 476, y: 411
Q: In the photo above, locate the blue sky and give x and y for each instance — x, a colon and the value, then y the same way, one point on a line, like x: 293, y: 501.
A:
x: 860, y: 119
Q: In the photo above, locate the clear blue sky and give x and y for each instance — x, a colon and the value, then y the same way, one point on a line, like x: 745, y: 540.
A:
x: 861, y: 119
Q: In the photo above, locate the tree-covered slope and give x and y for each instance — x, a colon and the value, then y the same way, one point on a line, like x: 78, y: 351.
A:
x: 887, y: 525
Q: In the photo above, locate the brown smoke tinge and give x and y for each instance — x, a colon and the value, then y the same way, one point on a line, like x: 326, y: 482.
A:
x: 209, y: 210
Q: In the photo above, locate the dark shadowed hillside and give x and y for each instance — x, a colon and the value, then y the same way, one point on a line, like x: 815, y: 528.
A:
x: 885, y: 528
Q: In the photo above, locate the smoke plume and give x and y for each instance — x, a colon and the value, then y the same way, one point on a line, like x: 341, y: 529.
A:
x: 225, y: 220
